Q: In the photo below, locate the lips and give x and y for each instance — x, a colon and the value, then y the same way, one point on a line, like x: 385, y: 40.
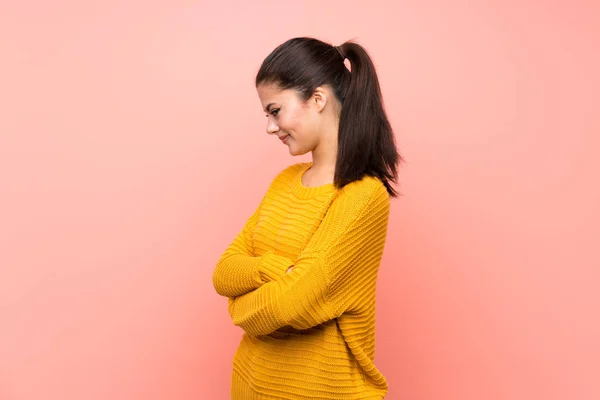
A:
x: 282, y: 138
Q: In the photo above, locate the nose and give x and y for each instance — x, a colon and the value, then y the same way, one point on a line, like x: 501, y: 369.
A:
x: 272, y: 127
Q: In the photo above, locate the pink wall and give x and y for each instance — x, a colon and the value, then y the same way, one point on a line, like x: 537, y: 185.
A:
x: 132, y: 149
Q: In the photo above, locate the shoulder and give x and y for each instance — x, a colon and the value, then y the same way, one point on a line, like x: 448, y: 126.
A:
x: 287, y: 174
x: 366, y: 195
x: 366, y: 187
x: 292, y: 170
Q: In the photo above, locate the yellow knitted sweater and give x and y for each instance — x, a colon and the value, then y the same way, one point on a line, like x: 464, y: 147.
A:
x: 310, y: 332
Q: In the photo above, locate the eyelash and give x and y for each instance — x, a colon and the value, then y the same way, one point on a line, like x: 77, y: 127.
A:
x: 274, y: 111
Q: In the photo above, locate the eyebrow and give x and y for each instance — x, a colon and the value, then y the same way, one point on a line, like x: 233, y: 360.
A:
x: 268, y: 106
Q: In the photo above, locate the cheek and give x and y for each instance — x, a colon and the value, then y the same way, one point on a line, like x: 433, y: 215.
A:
x: 294, y: 121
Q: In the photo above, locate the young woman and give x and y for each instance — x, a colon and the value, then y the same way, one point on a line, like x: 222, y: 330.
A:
x: 301, y: 275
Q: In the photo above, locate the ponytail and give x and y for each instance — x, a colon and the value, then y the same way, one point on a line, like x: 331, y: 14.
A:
x: 366, y: 144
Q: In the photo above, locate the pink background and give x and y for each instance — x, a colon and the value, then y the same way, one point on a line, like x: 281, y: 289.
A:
x: 133, y: 148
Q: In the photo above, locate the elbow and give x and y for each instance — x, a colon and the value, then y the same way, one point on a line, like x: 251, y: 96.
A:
x: 246, y: 323
x: 218, y: 287
x: 218, y: 281
x: 253, y: 331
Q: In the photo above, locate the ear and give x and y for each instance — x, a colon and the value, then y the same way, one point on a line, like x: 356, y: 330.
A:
x: 319, y: 98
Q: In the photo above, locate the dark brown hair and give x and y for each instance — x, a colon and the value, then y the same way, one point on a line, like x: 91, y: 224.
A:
x: 366, y: 144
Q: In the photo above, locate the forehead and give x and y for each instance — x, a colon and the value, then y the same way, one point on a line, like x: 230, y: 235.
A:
x: 270, y: 90
x: 272, y: 93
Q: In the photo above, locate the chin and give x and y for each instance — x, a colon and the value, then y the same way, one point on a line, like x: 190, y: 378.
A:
x: 295, y: 152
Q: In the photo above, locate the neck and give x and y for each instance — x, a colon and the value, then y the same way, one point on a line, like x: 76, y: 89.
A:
x: 324, y: 154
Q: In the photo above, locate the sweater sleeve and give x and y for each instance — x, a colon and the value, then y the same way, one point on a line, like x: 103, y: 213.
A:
x: 239, y: 270
x: 335, y: 273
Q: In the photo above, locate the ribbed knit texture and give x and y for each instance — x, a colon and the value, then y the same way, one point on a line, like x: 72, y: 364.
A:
x: 309, y: 333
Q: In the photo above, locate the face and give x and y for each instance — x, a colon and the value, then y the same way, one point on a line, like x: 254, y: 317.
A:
x: 290, y: 118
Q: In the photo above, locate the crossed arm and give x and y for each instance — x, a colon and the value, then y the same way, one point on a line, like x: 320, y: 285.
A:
x: 333, y: 274
x: 240, y: 271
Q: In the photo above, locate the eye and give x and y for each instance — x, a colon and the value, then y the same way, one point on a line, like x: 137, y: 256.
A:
x: 273, y: 112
